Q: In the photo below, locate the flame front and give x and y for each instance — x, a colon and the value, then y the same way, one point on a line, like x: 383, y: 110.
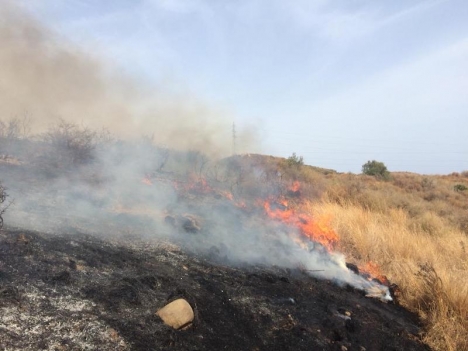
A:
x: 372, y: 270
x: 313, y: 232
x: 317, y: 229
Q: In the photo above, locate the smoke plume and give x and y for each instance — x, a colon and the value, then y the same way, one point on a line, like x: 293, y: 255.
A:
x: 45, y: 77
x: 70, y: 180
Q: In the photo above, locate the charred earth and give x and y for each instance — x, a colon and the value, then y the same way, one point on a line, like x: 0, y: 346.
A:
x: 75, y: 292
x: 95, y: 246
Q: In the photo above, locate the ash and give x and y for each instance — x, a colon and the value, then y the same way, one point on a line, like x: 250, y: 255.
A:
x: 79, y: 292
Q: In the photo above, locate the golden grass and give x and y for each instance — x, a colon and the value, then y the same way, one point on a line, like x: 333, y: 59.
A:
x: 425, y: 255
x: 415, y: 227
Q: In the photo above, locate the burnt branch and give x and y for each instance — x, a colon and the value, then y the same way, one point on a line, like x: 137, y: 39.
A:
x: 3, y: 197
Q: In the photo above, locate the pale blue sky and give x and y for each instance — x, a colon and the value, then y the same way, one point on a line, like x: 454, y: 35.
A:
x: 339, y: 82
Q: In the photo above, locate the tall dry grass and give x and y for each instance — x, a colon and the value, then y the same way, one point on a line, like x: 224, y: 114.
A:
x: 415, y: 227
x: 425, y: 255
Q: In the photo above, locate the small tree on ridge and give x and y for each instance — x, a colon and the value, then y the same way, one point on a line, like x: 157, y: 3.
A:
x: 295, y: 160
x: 376, y: 169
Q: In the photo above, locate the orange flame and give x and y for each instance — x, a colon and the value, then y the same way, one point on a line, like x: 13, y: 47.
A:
x: 316, y: 229
x: 373, y: 271
x: 200, y: 186
x: 147, y: 181
x: 227, y: 195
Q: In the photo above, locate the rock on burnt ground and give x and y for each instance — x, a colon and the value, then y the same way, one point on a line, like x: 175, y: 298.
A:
x: 78, y: 292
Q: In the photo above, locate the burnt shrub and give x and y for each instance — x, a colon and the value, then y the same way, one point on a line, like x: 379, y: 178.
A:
x: 15, y: 128
x: 3, y: 196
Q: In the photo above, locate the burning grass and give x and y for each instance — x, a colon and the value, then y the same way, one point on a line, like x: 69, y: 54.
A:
x: 412, y: 229
x: 431, y: 270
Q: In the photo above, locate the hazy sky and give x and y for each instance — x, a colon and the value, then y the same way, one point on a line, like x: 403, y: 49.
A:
x: 339, y: 82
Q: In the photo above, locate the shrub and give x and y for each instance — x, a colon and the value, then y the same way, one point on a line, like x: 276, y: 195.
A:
x: 295, y: 160
x: 15, y: 128
x: 376, y: 169
x: 3, y: 196
x: 73, y: 144
x: 460, y: 187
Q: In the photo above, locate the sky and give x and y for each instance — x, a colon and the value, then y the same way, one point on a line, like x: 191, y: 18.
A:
x: 338, y: 82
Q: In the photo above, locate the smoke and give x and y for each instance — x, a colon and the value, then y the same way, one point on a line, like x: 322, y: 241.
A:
x: 137, y: 190
x: 47, y: 78
x: 73, y: 182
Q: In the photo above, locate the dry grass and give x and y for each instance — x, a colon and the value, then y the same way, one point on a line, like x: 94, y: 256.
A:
x: 415, y: 228
x: 424, y: 254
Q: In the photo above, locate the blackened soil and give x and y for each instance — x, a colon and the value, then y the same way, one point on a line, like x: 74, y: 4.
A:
x: 77, y: 292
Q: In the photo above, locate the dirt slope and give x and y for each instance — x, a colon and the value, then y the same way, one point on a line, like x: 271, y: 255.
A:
x: 79, y: 292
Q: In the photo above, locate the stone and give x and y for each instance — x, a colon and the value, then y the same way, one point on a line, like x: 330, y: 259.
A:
x: 191, y: 224
x: 177, y: 314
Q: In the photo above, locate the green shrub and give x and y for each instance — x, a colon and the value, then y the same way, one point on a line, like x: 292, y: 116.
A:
x: 376, y: 169
x: 295, y: 160
x: 460, y: 187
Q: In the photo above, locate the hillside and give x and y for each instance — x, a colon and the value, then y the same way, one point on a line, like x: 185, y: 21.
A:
x: 106, y: 232
x: 80, y: 292
x: 412, y: 227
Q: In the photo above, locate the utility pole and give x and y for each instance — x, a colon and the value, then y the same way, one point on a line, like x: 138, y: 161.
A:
x: 234, y: 136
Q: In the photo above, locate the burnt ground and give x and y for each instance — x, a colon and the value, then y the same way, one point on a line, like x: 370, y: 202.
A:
x: 78, y: 292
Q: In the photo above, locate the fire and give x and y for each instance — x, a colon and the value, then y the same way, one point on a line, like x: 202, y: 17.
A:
x: 295, y: 187
x: 312, y: 228
x: 201, y: 186
x: 316, y: 229
x: 197, y: 186
x: 227, y: 195
x: 373, y: 271
x: 241, y: 204
x: 147, y: 181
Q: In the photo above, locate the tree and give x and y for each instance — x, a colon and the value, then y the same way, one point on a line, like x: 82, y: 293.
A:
x: 376, y: 169
x: 295, y: 160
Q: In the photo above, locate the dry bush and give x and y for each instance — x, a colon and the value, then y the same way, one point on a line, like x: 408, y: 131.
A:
x: 15, y: 128
x: 416, y: 194
x: 446, y: 311
x: 71, y: 144
x: 425, y: 256
x: 3, y: 197
x: 13, y: 132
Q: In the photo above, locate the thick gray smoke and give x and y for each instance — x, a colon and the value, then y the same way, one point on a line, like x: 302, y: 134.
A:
x: 74, y: 179
x: 137, y: 190
x: 45, y: 77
